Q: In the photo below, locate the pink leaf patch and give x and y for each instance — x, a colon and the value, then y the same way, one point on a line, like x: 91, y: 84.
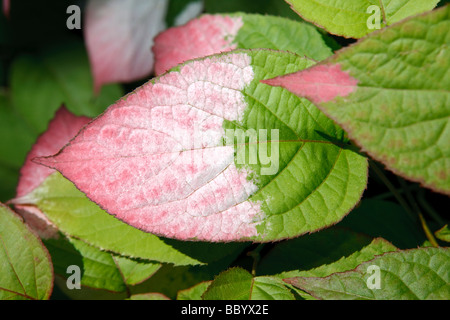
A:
x: 320, y: 83
x: 201, y: 37
x: 156, y: 159
x: 119, y: 36
x: 61, y: 129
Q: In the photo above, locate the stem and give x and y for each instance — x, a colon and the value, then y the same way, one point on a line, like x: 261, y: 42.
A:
x: 390, y: 194
x: 393, y: 190
x: 423, y: 222
x: 256, y: 257
x: 429, y: 209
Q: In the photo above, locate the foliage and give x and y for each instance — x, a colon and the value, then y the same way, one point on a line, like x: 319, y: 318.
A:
x: 278, y: 151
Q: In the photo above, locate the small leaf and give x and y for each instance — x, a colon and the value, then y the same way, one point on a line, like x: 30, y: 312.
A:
x: 390, y: 91
x: 160, y: 159
x: 194, y: 293
x: 443, y: 234
x: 354, y: 19
x: 238, y: 284
x: 119, y: 35
x: 417, y: 274
x: 26, y: 269
x: 232, y: 31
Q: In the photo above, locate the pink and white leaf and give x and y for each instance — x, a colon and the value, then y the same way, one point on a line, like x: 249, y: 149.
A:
x: 207, y: 35
x: 119, y: 36
x: 156, y: 160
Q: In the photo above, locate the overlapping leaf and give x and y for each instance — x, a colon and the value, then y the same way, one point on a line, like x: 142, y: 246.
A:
x: 390, y: 92
x: 211, y: 34
x: 160, y: 161
x: 416, y: 274
x: 99, y: 269
x: 119, y: 35
x: 238, y: 284
x: 356, y: 18
x: 26, y: 269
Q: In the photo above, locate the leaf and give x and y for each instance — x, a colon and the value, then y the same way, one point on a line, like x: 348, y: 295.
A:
x: 119, y: 35
x: 26, y: 269
x: 61, y: 129
x: 238, y: 284
x: 443, y: 234
x: 417, y: 274
x: 354, y: 19
x: 98, y: 269
x: 194, y: 293
x: 231, y: 31
x: 135, y: 271
x: 390, y: 92
x: 387, y: 220
x: 60, y: 75
x: 317, y: 252
x: 76, y: 216
x: 165, y: 145
x: 148, y: 296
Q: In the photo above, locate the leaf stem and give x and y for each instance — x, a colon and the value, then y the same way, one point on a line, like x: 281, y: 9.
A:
x: 416, y: 207
x: 392, y: 189
x: 255, y: 254
x: 428, y: 208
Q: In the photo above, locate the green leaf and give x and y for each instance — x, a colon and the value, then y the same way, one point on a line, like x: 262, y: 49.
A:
x: 135, y: 271
x: 443, y: 234
x: 277, y: 33
x: 312, y: 251
x: 98, y: 269
x: 376, y: 247
x: 238, y: 284
x: 75, y: 215
x: 354, y: 18
x: 387, y: 220
x: 417, y: 274
x: 148, y: 296
x: 194, y: 293
x: 61, y: 75
x: 390, y: 91
x: 26, y: 269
